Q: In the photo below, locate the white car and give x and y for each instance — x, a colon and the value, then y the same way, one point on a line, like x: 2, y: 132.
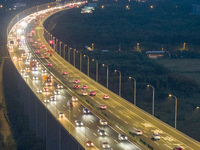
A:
x: 45, y: 89
x: 52, y: 98
x: 78, y: 123
x: 156, y: 136
x: 25, y: 75
x: 56, y: 92
x: 102, y: 132
x: 59, y: 86
x: 103, y: 122
x: 22, y: 70
x: 122, y: 137
x: 39, y: 91
x: 35, y: 78
x: 86, y: 111
x: 74, y: 99
x: 44, y: 71
x: 61, y: 115
x: 137, y: 132
x: 84, y: 93
x: 104, y: 144
x: 20, y: 59
x: 46, y: 100
x: 106, y: 97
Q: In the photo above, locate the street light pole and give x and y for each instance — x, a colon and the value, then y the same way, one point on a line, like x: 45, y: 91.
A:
x: 106, y: 73
x: 96, y: 69
x: 170, y: 95
x: 74, y: 56
x: 88, y: 64
x: 60, y: 48
x: 134, y: 89
x: 153, y: 98
x: 69, y: 54
x: 64, y: 51
x: 80, y: 61
x: 120, y: 78
x: 54, y: 41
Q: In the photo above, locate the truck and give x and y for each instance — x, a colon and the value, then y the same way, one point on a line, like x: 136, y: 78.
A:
x: 50, y: 52
x: 33, y: 65
x: 47, y: 80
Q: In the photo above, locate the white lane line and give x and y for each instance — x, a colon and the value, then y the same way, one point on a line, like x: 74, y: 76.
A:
x: 110, y: 111
x: 92, y: 121
x: 113, y: 106
x: 64, y: 106
x: 94, y: 134
x: 145, y: 135
x: 74, y: 116
x: 126, y: 122
x: 156, y: 143
x: 79, y: 110
x: 116, y: 141
x: 98, y: 127
x: 168, y: 146
x: 117, y: 116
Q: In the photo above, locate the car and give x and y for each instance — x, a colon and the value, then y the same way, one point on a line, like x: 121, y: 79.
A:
x: 102, y: 132
x: 14, y: 58
x: 156, y: 136
x: 76, y: 86
x: 65, y: 73
x: 56, y: 92
x: 76, y: 81
x: 20, y: 59
x: 122, y: 137
x: 25, y: 75
x: 78, y: 123
x: 45, y: 89
x: 137, y: 132
x: 44, y: 71
x: 27, y: 69
x: 59, y: 86
x: 74, y: 99
x: 39, y: 91
x: 86, y: 111
x: 27, y: 60
x: 104, y: 144
x: 35, y: 78
x: 38, y: 64
x: 103, y: 122
x: 106, y: 97
x: 84, y: 93
x: 84, y: 87
x: 49, y: 64
x: 46, y: 100
x: 177, y: 148
x: 70, y: 104
x: 52, y: 98
x: 89, y: 143
x: 61, y: 115
x: 22, y: 70
x: 102, y: 106
x: 38, y: 51
x: 92, y: 93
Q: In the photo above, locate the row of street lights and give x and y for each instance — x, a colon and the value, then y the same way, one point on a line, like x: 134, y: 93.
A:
x: 107, y: 72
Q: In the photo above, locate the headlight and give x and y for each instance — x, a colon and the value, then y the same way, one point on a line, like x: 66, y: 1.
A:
x: 109, y: 146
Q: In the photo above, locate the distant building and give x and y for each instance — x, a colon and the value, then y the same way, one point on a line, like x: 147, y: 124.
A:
x: 195, y: 9
x: 157, y: 54
x: 18, y: 5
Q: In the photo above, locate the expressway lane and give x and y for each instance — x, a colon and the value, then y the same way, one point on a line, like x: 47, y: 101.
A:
x: 126, y: 114
x: 60, y: 105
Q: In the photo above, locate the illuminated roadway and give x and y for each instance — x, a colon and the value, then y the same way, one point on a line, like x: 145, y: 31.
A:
x: 124, y: 113
x: 90, y: 121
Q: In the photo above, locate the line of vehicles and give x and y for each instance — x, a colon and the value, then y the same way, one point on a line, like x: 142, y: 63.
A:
x: 47, y: 81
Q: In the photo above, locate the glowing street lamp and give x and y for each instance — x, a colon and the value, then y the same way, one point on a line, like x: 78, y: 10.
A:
x: 170, y: 95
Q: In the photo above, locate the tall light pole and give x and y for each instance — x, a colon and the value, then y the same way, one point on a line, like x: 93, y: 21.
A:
x: 60, y: 48
x: 134, y: 89
x: 68, y: 54
x: 120, y: 78
x: 153, y: 98
x: 80, y: 61
x: 64, y: 51
x: 170, y: 95
x: 74, y: 56
x: 96, y: 69
x: 88, y: 64
x: 54, y: 46
x: 107, y: 74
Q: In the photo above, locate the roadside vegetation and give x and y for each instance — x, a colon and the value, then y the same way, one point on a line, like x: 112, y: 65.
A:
x: 167, y: 25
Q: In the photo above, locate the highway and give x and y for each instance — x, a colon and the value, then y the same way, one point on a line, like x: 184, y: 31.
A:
x: 90, y: 121
x: 125, y: 115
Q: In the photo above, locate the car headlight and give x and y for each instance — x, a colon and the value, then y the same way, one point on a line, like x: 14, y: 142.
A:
x: 100, y: 133
x: 125, y: 137
x: 109, y: 146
